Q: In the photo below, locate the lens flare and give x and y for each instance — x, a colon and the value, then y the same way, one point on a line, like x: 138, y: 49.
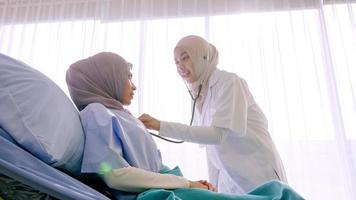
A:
x: 104, y: 168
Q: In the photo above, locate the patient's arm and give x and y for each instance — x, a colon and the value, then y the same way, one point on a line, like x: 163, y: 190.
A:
x: 132, y: 179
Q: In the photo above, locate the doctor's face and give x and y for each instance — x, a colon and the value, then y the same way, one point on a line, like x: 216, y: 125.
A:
x: 129, y: 91
x: 185, y: 66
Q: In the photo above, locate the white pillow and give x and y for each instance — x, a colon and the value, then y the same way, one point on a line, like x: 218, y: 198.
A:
x: 39, y: 116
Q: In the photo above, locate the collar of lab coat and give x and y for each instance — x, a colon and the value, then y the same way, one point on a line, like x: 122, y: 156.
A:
x: 212, y: 81
x: 214, y: 77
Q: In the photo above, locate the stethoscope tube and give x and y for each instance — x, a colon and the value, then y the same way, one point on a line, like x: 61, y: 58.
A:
x: 191, y: 118
x: 166, y: 139
x: 194, y: 102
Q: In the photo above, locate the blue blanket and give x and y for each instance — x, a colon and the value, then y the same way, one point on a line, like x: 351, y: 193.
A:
x: 272, y: 190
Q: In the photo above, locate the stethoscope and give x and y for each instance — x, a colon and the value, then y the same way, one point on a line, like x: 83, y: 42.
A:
x: 191, y: 118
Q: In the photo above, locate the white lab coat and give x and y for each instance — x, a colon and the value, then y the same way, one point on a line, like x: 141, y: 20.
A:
x: 247, y: 156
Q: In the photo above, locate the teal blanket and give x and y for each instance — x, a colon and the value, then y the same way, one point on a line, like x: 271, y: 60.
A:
x: 272, y: 190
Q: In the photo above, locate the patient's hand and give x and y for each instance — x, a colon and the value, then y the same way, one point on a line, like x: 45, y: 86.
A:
x: 150, y: 122
x: 209, y: 185
x: 202, y: 184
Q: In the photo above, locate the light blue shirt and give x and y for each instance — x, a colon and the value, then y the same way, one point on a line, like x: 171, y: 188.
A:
x: 116, y: 139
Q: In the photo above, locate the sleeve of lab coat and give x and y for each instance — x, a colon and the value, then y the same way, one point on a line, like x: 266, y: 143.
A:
x: 196, y: 134
x: 231, y: 105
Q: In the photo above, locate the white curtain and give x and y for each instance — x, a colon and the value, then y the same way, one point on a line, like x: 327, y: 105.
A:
x: 298, y: 57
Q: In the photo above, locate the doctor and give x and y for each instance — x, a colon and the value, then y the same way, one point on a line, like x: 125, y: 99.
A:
x: 241, y: 154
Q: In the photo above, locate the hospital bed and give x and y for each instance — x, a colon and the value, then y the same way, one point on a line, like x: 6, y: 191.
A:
x: 41, y: 138
x: 20, y: 165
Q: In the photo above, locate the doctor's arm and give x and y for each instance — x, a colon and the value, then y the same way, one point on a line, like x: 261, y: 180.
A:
x: 196, y: 134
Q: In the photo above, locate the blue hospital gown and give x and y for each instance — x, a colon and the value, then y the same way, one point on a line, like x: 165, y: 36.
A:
x: 116, y: 139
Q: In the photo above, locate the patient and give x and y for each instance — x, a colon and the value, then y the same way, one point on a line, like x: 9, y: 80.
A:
x: 118, y: 146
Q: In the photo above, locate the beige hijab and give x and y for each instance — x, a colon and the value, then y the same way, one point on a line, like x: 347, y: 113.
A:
x: 98, y: 79
x: 205, y: 58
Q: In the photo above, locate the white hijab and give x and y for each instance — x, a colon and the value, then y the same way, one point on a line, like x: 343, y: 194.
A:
x: 98, y: 79
x: 205, y: 58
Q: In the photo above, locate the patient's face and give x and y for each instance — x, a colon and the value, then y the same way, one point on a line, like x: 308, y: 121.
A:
x: 129, y: 91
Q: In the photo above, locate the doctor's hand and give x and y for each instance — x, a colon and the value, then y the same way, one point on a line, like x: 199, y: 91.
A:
x: 150, y: 122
